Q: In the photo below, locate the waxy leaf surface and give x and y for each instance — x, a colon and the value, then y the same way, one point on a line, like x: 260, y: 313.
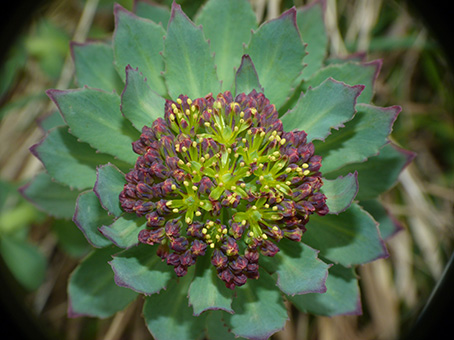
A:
x: 168, y: 315
x: 361, y: 137
x: 89, y: 216
x: 109, y: 184
x: 227, y: 25
x: 340, y: 192
x: 388, y: 224
x: 140, y: 104
x: 124, y: 231
x: 94, y: 66
x: 277, y: 51
x: 207, y: 291
x: 342, y: 295
x: 94, y: 116
x: 349, y: 238
x: 190, y: 68
x: 299, y: 269
x: 92, y: 289
x: 138, y: 42
x: 246, y: 78
x: 153, y: 11
x: 140, y: 269
x: 323, y: 108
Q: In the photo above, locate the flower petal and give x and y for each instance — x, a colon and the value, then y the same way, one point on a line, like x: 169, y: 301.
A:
x: 190, y: 66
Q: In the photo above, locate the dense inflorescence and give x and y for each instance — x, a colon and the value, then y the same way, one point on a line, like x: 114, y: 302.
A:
x: 219, y: 176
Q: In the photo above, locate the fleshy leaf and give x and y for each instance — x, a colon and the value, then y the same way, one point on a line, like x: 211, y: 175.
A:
x: 139, y: 104
x: 361, y: 138
x: 349, y: 238
x: 51, y: 121
x: 89, y: 216
x: 152, y: 11
x: 124, y: 231
x: 94, y: 66
x: 190, y: 66
x: 342, y: 295
x: 259, y: 309
x: 138, y: 42
x: 140, y: 269
x: 351, y: 73
x: 379, y: 173
x: 299, y: 269
x: 68, y: 161
x: 388, y: 224
x: 323, y: 108
x: 71, y: 239
x: 109, y: 184
x: 94, y: 116
x: 277, y: 51
x: 216, y: 327
x: 168, y: 316
x: 92, y: 290
x: 53, y: 198
x: 310, y: 20
x: 246, y: 78
x: 207, y: 291
x: 340, y: 192
x: 227, y: 25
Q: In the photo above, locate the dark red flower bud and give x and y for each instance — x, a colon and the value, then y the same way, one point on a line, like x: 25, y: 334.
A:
x: 179, y: 244
x: 230, y: 247
x: 219, y: 260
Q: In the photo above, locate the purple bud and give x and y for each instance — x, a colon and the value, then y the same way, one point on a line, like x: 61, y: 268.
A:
x: 179, y: 244
x: 219, y: 260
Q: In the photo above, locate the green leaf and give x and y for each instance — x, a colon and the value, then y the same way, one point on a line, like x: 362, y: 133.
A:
x: 168, y: 315
x: 55, y: 199
x: 342, y: 295
x: 94, y: 116
x: 139, y: 104
x: 94, y: 66
x: 68, y: 161
x: 246, y: 78
x: 298, y: 268
x: 51, y: 121
x: 227, y: 39
x: 362, y: 137
x: 277, y: 51
x: 152, y: 11
x: 207, y: 291
x: 349, y: 238
x: 216, y: 327
x: 89, y: 216
x: 138, y: 42
x: 92, y: 290
x: 351, y: 73
x: 124, y: 231
x: 140, y: 269
x: 340, y: 192
x: 379, y: 173
x: 25, y: 261
x: 109, y: 184
x: 70, y: 238
x: 190, y: 68
x: 310, y: 20
x: 259, y: 309
x: 388, y: 224
x: 323, y: 108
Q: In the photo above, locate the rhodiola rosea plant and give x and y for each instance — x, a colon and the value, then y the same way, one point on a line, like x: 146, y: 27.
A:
x: 219, y: 168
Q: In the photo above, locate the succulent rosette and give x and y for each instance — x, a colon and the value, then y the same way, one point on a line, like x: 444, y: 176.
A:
x: 219, y: 168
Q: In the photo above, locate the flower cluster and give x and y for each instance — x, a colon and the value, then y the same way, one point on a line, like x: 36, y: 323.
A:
x: 220, y: 174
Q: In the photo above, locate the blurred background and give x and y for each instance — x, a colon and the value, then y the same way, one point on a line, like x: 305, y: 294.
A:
x: 37, y: 253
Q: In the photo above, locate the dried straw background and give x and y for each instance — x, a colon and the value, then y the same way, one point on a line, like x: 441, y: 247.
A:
x: 394, y: 289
